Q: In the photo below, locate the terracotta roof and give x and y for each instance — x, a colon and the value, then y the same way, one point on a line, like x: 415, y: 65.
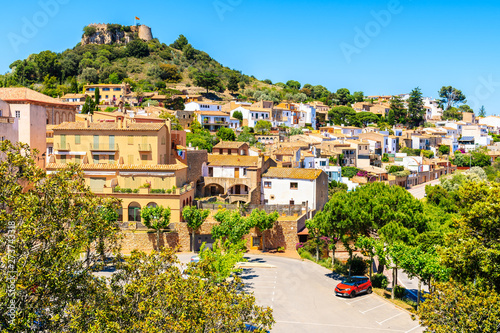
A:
x: 155, y: 167
x: 230, y: 144
x: 292, y: 173
x: 73, y: 96
x: 232, y: 160
x: 80, y: 125
x: 12, y: 95
x: 285, y: 151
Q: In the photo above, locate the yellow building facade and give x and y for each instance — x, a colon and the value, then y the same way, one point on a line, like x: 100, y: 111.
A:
x: 135, y: 162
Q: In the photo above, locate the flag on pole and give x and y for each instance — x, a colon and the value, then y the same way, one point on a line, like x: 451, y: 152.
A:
x: 137, y: 18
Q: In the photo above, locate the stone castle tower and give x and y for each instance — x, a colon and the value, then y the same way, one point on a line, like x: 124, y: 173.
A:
x: 103, y: 36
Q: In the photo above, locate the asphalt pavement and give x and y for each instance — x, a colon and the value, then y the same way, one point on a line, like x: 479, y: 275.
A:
x: 418, y: 191
x: 301, y: 294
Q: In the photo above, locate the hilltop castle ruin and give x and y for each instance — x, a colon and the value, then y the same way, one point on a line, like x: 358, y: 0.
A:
x: 100, y: 33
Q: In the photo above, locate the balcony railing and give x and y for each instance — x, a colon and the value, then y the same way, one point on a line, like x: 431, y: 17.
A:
x: 62, y: 146
x: 144, y: 147
x: 104, y: 147
x: 7, y: 120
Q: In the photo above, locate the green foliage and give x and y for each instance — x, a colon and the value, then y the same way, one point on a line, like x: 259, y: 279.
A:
x: 477, y: 157
x: 157, y: 218
x: 295, y: 131
x: 342, y: 115
x: 443, y: 149
x: 343, y: 96
x: 89, y: 106
x: 455, y: 307
x: 410, y: 151
x: 472, y: 250
x: 379, y: 281
x: 394, y: 168
x: 262, y: 126
x: 176, y: 126
x: 238, y: 115
x: 246, y: 136
x: 482, y: 111
x: 137, y: 48
x: 293, y: 84
x: 232, y: 84
x: 194, y: 218
x: 180, y: 43
x: 349, y: 172
x: 53, y: 219
x: 385, y: 158
x: 89, y: 30
x: 226, y: 134
x: 207, y: 80
x: 200, y: 137
x: 358, y: 265
x: 428, y: 153
x: 398, y: 112
x: 450, y: 96
x: 399, y: 292
x: 452, y: 114
x: 416, y: 110
x: 232, y: 226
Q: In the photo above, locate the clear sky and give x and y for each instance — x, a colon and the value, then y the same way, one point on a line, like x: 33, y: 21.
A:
x: 378, y: 47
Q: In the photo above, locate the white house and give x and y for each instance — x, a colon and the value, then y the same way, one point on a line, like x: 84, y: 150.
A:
x: 490, y: 121
x: 310, y: 114
x: 251, y: 115
x: 202, y: 106
x: 213, y: 120
x: 293, y: 186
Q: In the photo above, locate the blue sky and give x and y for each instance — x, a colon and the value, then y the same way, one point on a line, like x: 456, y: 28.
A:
x: 378, y: 47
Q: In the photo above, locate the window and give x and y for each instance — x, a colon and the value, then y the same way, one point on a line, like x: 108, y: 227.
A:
x: 77, y: 139
x: 105, y: 89
x: 107, y: 96
x: 18, y: 114
x: 294, y: 186
x: 96, y: 159
x: 78, y: 159
x: 63, y: 159
x: 256, y: 241
x: 271, y: 197
x: 144, y: 157
x: 50, y: 150
x: 111, y: 159
x: 267, y: 184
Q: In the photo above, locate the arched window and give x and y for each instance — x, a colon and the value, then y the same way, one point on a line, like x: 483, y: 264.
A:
x: 134, y: 212
x: 152, y: 204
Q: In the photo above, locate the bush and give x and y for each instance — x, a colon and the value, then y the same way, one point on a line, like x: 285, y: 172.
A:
x: 349, y: 172
x: 89, y: 30
x: 399, y: 292
x: 340, y: 268
x: 169, y: 191
x: 379, y: 281
x: 306, y: 254
x: 157, y: 190
x: 358, y: 265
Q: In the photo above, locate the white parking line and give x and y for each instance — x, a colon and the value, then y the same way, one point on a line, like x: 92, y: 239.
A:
x: 359, y: 300
x: 414, y: 328
x: 383, y: 321
x: 378, y: 306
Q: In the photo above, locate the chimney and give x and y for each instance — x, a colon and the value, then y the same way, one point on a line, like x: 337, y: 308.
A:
x: 87, y: 123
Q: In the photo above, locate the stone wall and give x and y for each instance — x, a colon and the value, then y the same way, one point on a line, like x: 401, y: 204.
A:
x: 103, y: 36
x: 284, y: 234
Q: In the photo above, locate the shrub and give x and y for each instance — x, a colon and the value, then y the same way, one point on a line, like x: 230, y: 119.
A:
x: 340, y: 268
x: 136, y: 190
x: 306, y: 255
x: 379, y: 281
x: 358, y: 265
x: 89, y: 30
x: 157, y: 190
x: 399, y: 292
x: 349, y: 172
x: 169, y: 191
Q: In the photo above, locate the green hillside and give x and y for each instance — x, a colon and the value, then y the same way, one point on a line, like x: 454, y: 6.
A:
x: 149, y: 66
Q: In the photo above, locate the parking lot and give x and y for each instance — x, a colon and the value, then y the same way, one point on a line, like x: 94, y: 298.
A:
x: 302, y: 298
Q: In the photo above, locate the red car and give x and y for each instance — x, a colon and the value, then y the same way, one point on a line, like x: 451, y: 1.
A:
x: 353, y: 285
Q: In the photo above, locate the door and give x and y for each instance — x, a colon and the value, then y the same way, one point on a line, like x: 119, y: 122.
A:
x: 237, y: 189
x: 236, y: 172
x: 199, y: 240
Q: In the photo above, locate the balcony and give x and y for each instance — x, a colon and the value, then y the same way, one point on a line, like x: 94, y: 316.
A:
x: 7, y: 120
x: 103, y: 147
x: 62, y: 146
x: 145, y: 147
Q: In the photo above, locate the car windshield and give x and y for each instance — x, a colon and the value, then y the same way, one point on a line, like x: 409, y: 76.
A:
x: 350, y: 281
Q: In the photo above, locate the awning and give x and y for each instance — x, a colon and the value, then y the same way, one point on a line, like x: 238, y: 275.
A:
x: 78, y: 153
x: 146, y: 173
x: 303, y: 232
x: 100, y: 173
x: 103, y: 153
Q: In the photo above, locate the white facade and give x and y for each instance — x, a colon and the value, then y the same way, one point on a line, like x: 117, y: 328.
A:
x: 490, y: 121
x: 310, y: 114
x: 201, y: 106
x: 282, y: 191
x: 9, y: 125
x: 252, y: 115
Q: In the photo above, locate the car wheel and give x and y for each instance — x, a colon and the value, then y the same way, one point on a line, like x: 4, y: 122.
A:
x: 352, y: 295
x: 369, y: 290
